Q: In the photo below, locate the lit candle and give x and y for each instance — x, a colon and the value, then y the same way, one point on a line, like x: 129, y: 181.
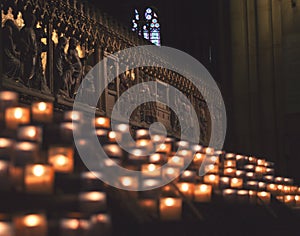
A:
x: 33, y: 225
x: 142, y: 134
x: 157, y: 158
x: 100, y: 225
x: 243, y: 196
x: 16, y: 116
x: 39, y: 179
x: 170, y: 172
x: 230, y: 164
x: 42, y: 111
x: 149, y: 205
x: 164, y: 147
x: 270, y: 171
x: 253, y: 197
x: 61, y: 158
x: 252, y: 185
x: 252, y: 160
x: 250, y: 175
x: 230, y: 195
x: 92, y: 202
x: 6, y: 148
x: 90, y: 181
x: 297, y: 199
x: 212, y: 160
x: 250, y: 168
x: 102, y: 122
x: 128, y: 182
x: 30, y: 133
x: 170, y: 209
x: 187, y: 189
x: 212, y: 179
x: 144, y: 143
x: 230, y: 172
x: 269, y: 178
x: 289, y: 200
x: 71, y: 227
x: 261, y: 170
x: 113, y: 151
x: 230, y: 156
x: 66, y: 131
x: 199, y: 158
x: 176, y: 161
x: 188, y: 176
x: 211, y: 169
x: 240, y: 173
x: 203, y: 193
x: 8, y: 99
x: 208, y: 151
x: 236, y: 183
x: 73, y: 116
x: 262, y: 186
x: 151, y: 170
x: 224, y: 182
x: 25, y: 153
x: 6, y: 229
x: 114, y: 136
x: 265, y: 197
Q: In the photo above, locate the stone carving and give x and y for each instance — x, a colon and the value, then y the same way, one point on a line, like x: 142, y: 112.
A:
x: 12, y: 63
x: 63, y: 70
x: 28, y: 49
x: 77, y: 72
x: 39, y: 79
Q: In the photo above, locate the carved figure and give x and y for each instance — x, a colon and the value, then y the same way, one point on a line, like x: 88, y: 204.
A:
x: 63, y: 69
x: 12, y: 63
x: 77, y: 66
x: 28, y: 48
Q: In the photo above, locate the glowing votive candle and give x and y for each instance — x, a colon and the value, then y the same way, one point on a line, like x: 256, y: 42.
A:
x: 129, y: 182
x: 8, y: 99
x: 170, y: 209
x: 15, y: 116
x: 61, y: 158
x: 6, y: 147
x: 33, y: 225
x: 6, y: 229
x: 212, y: 179
x: 230, y: 195
x: 203, y: 193
x: 30, y: 133
x: 42, y: 111
x: 39, y: 179
x: 92, y: 202
x: 176, y: 161
x: 224, y: 182
x: 25, y: 153
x: 170, y: 172
x: 188, y: 176
x: 187, y: 189
x: 265, y: 197
x: 236, y: 183
x: 151, y: 170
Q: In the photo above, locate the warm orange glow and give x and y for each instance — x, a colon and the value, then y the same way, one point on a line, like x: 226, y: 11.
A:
x: 38, y: 170
x: 169, y: 202
x: 32, y: 220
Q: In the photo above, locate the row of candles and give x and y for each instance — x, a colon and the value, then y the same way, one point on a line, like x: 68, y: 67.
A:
x: 37, y: 224
x: 236, y: 178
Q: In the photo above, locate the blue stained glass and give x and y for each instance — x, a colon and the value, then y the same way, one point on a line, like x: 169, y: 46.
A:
x: 151, y: 29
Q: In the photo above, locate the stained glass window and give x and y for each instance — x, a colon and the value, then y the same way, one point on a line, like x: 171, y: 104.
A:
x: 147, y: 25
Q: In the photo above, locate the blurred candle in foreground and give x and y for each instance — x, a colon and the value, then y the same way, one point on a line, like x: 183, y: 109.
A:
x: 6, y: 229
x: 92, y: 202
x: 15, y: 116
x: 61, y: 158
x: 8, y: 99
x: 30, y: 133
x: 170, y: 209
x: 265, y: 197
x: 187, y: 189
x: 39, y: 179
x: 203, y: 193
x: 42, y: 111
x: 33, y: 225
